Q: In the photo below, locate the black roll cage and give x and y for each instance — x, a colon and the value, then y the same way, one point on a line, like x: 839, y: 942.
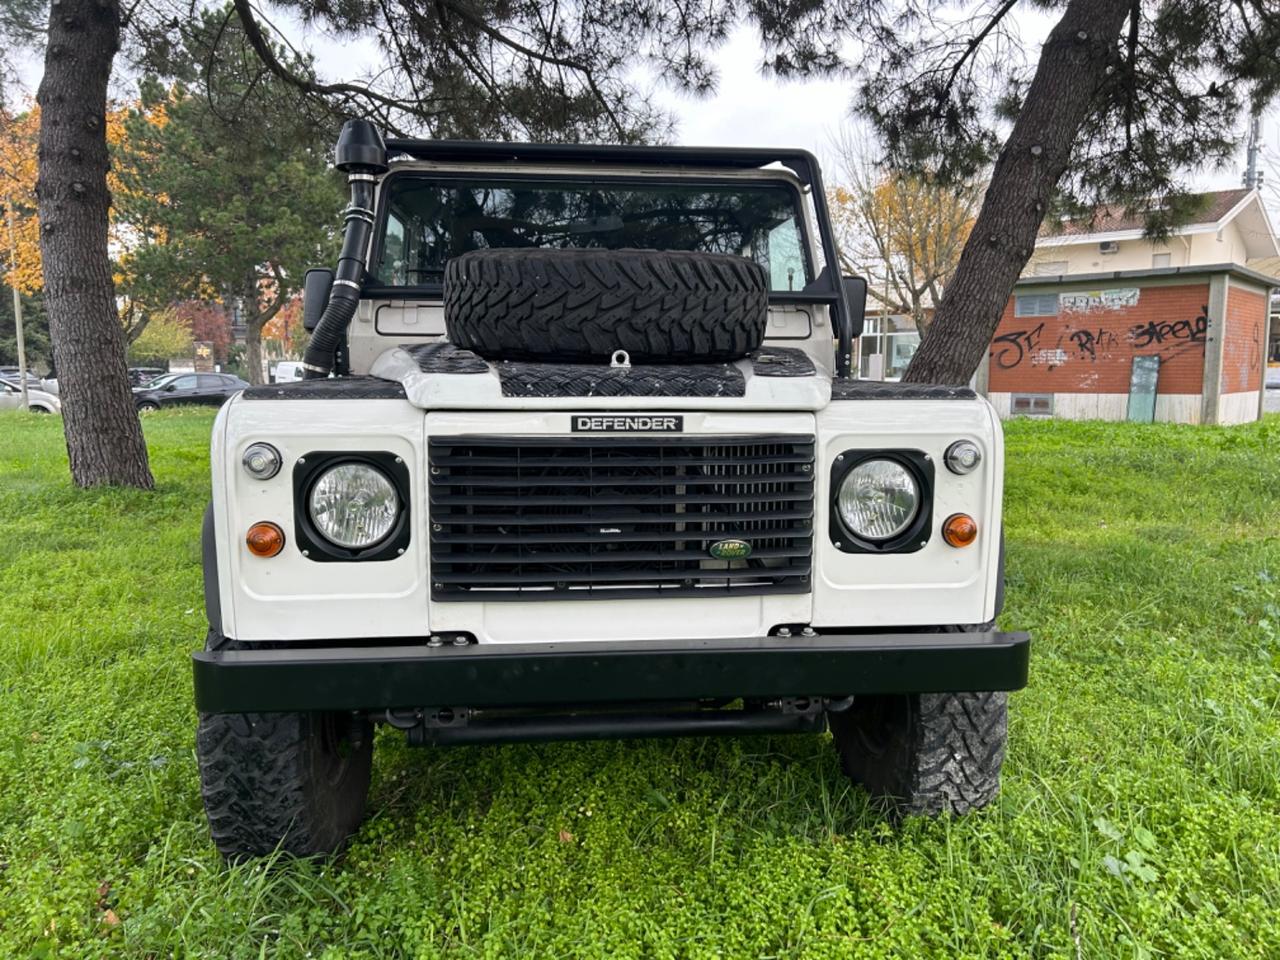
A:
x: 826, y: 288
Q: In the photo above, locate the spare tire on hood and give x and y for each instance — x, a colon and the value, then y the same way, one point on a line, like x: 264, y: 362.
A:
x: 583, y: 305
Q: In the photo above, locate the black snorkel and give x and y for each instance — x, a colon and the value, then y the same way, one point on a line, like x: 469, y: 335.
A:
x: 362, y: 156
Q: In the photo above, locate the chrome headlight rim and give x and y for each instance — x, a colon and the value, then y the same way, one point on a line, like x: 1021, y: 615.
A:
x: 311, y: 468
x: 916, y: 534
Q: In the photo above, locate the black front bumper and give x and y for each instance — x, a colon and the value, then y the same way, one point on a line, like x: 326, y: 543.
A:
x: 603, y: 672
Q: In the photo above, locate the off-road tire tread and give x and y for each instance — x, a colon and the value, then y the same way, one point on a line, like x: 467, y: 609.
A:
x: 583, y: 305
x: 261, y: 787
x: 946, y: 757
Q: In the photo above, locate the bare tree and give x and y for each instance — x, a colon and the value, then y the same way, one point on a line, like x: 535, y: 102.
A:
x: 902, y: 231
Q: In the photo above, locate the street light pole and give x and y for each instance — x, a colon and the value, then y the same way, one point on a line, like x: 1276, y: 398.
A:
x: 17, y: 309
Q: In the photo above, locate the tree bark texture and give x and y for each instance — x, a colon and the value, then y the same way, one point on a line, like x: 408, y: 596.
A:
x: 104, y: 436
x: 1072, y: 67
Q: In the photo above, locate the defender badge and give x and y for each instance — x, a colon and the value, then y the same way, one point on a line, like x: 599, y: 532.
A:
x: 730, y: 550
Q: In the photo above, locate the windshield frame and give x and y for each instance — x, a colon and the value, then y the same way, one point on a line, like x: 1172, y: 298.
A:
x: 374, y: 290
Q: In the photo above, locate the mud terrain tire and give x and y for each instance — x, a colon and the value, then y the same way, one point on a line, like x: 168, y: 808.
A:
x: 296, y: 781
x: 581, y: 306
x: 926, y: 753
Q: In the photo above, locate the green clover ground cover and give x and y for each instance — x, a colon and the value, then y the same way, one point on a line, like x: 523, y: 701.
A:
x: 1140, y: 815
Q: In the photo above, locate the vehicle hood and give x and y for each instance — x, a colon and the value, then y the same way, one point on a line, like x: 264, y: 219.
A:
x: 440, y: 376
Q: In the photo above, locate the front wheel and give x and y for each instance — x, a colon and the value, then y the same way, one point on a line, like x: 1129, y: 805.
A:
x: 293, y: 781
x: 148, y: 406
x: 290, y: 781
x: 926, y: 753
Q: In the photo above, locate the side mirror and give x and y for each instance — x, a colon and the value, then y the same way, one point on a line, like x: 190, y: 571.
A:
x: 855, y: 298
x: 316, y: 284
x: 169, y: 388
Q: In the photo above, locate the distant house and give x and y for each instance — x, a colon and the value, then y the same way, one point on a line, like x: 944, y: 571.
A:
x: 1096, y: 295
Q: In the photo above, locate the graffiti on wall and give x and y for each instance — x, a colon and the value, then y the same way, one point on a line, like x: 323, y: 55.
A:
x: 1170, y: 337
x: 1015, y: 345
x: 1176, y: 331
x: 1089, y: 300
x: 1089, y: 342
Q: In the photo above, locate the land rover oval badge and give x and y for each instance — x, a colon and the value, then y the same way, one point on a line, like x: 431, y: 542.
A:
x: 730, y: 550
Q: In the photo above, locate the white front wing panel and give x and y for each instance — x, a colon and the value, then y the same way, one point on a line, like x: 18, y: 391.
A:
x: 937, y: 585
x: 289, y: 596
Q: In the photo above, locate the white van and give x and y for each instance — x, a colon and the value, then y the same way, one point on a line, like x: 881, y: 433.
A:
x: 287, y: 371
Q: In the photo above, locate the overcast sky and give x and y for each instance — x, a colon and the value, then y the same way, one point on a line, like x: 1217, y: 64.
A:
x: 749, y: 109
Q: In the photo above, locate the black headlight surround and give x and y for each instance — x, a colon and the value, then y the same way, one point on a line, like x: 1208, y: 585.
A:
x: 307, y: 470
x: 916, y: 462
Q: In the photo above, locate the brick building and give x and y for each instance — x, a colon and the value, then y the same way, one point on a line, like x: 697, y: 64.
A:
x: 1066, y: 344
x: 1098, y: 294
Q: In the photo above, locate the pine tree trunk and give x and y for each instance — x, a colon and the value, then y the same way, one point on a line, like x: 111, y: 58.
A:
x: 1072, y: 67
x: 253, y: 324
x: 253, y: 350
x: 104, y: 437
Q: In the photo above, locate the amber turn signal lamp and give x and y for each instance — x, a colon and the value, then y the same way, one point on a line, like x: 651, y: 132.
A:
x: 265, y: 539
x: 959, y: 530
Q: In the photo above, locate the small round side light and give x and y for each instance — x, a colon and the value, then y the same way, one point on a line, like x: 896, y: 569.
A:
x: 962, y: 457
x: 959, y: 530
x: 264, y: 539
x: 261, y: 461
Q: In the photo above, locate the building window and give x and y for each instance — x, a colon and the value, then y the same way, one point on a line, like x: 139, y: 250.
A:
x: 1159, y: 260
x: 1031, y: 404
x: 1035, y: 305
x: 1050, y: 268
x: 886, y: 347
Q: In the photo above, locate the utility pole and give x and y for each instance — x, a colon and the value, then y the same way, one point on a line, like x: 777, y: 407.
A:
x: 17, y: 309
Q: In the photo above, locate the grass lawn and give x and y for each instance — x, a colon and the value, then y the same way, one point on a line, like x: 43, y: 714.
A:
x: 1140, y: 815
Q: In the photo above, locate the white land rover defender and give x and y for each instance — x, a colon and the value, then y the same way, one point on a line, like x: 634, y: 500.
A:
x: 592, y: 465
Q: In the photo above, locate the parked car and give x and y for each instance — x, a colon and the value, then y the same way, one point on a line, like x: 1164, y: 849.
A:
x: 1273, y: 378
x: 605, y: 506
x: 144, y: 376
x: 208, y: 389
x: 40, y: 401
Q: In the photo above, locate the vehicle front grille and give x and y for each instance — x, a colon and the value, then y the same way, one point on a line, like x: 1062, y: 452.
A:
x: 553, y: 518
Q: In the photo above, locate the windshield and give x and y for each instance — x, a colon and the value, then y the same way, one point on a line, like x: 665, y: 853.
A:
x: 428, y: 220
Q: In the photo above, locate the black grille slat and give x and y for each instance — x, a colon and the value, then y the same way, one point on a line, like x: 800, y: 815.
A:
x: 599, y: 576
x: 655, y: 517
x: 616, y: 500
x: 543, y: 518
x: 570, y: 481
x: 533, y: 557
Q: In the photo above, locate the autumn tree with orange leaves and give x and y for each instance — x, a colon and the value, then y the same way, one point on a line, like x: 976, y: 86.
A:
x: 902, y: 232
x: 19, y: 135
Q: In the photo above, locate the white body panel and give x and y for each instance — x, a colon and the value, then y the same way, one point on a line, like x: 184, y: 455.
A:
x: 938, y: 584
x: 292, y: 597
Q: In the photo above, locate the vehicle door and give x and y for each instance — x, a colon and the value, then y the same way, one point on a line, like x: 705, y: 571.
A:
x: 10, y: 397
x: 182, y: 390
x: 213, y: 390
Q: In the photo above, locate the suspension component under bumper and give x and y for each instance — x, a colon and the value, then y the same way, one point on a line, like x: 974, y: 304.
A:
x: 602, y: 672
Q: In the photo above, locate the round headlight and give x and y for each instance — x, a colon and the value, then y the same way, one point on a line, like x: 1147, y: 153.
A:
x: 878, y: 499
x: 261, y: 461
x: 353, y: 505
x: 962, y: 457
